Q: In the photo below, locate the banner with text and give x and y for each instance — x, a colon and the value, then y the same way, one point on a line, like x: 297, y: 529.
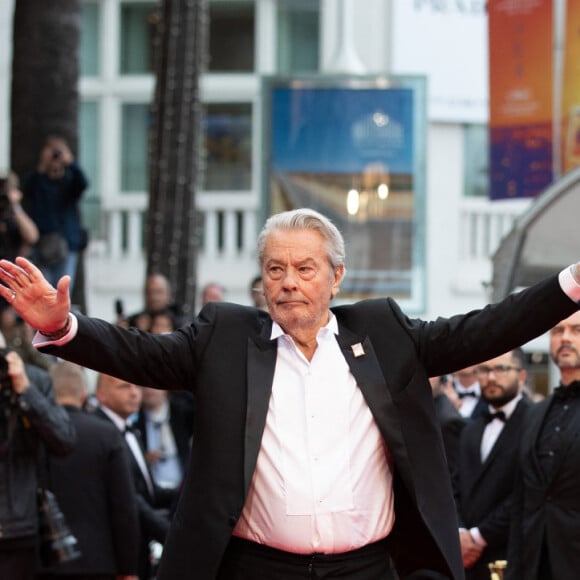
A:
x: 570, y: 142
x: 521, y: 97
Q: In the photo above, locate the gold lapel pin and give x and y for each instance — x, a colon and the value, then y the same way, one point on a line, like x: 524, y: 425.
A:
x: 358, y: 350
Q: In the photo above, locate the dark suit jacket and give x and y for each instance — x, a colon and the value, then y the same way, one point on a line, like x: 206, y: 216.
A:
x: 546, y: 508
x: 94, y: 489
x: 451, y: 423
x: 227, y: 359
x: 153, y: 523
x: 479, y: 410
x: 483, y: 491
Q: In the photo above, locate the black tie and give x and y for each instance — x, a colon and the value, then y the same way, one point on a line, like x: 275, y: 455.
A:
x: 464, y: 394
x: 491, y: 416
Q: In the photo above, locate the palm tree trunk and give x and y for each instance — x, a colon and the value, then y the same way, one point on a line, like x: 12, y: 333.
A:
x: 172, y: 228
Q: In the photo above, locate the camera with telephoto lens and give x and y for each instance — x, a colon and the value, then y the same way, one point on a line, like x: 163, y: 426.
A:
x: 57, y: 543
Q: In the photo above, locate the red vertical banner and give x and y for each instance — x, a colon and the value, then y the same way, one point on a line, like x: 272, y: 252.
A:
x: 571, y: 88
x: 521, y: 97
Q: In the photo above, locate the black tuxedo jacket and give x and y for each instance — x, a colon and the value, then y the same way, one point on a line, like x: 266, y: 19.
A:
x: 546, y: 509
x: 94, y: 489
x: 153, y: 523
x: 483, y: 491
x: 451, y: 423
x: 227, y: 359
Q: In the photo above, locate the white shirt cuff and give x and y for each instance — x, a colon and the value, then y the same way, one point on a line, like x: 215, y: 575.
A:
x: 477, y: 537
x: 569, y: 285
x: 40, y: 340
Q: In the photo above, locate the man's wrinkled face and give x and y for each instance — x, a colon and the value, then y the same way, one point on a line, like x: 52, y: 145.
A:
x: 565, y: 342
x: 298, y: 279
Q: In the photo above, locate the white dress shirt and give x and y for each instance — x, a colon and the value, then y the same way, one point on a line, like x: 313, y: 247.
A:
x: 323, y: 480
x: 468, y: 403
x: 494, y: 428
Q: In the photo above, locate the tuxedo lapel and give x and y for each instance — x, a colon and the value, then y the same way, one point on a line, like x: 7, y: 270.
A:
x: 261, y: 364
x: 364, y: 365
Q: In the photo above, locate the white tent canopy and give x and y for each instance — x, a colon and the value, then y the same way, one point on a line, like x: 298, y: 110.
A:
x: 544, y: 239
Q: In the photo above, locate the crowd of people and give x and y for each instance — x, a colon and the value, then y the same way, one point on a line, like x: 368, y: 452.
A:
x: 292, y: 438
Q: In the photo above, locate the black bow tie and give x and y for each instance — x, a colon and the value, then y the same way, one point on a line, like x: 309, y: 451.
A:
x: 497, y: 415
x: 464, y: 394
x: 565, y: 393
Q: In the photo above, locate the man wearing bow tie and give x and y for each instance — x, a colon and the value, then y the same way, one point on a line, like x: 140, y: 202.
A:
x: 468, y: 389
x: 545, y: 536
x: 119, y: 400
x: 316, y: 451
x: 486, y: 465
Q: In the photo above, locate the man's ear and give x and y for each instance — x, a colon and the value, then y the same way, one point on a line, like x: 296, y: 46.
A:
x: 338, y: 276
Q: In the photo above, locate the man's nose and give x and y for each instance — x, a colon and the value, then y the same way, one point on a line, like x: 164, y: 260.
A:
x: 289, y: 279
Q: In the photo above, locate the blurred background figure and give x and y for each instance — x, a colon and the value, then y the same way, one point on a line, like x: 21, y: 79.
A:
x: 257, y: 293
x: 450, y: 420
x: 158, y: 299
x: 94, y: 489
x: 487, y: 463
x: 18, y: 232
x: 18, y: 336
x: 119, y: 402
x: 212, y: 292
x: 166, y: 429
x: 31, y: 425
x: 468, y: 390
x: 163, y: 322
x: 545, y: 533
x: 51, y: 196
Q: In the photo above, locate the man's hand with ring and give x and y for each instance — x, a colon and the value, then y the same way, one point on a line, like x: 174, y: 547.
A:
x: 39, y: 304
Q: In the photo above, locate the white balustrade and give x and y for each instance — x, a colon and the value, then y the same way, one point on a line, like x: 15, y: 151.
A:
x: 483, y: 224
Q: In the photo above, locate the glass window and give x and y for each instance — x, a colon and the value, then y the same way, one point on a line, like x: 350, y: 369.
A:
x: 228, y: 147
x: 298, y: 35
x: 88, y: 155
x: 231, y: 36
x: 134, y: 143
x: 89, y: 53
x: 137, y: 35
x: 355, y: 152
x: 476, y: 163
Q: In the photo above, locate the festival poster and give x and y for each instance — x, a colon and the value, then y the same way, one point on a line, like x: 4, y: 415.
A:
x: 352, y: 150
x: 521, y: 97
x: 570, y: 141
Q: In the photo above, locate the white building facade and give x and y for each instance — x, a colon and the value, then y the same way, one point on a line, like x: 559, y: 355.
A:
x: 444, y: 41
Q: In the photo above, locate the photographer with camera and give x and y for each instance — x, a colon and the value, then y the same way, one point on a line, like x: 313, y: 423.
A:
x: 30, y: 421
x: 18, y: 232
x: 52, y: 195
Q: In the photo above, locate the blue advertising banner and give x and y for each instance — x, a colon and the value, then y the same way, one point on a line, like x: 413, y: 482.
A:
x: 353, y: 150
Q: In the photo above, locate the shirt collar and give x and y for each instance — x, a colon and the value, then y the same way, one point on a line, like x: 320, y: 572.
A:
x: 119, y: 422
x: 331, y: 326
